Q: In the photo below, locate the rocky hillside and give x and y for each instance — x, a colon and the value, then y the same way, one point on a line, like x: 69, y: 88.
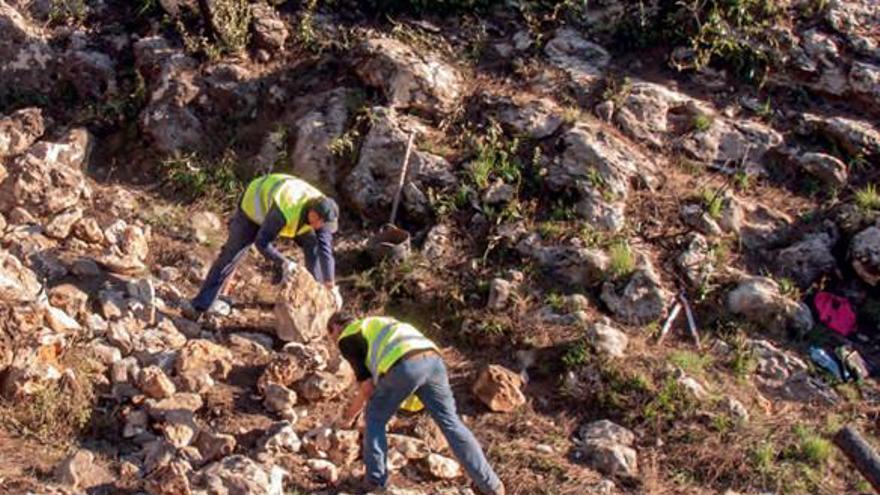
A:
x: 580, y: 170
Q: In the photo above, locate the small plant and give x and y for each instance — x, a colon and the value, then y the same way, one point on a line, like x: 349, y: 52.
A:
x: 742, y: 180
x: 577, y: 354
x: 788, y: 288
x: 591, y: 236
x: 671, y: 402
x: 197, y: 179
x: 868, y: 198
x: 551, y: 230
x: 763, y: 457
x: 495, y: 158
x: 713, y: 203
x: 571, y: 115
x: 67, y: 11
x: 742, y: 360
x: 811, y: 447
x: 562, y: 212
x: 691, y: 362
x: 622, y: 261
x: 556, y: 301
x: 702, y: 122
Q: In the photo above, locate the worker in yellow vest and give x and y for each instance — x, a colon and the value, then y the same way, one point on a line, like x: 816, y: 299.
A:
x: 393, y: 361
x: 275, y: 205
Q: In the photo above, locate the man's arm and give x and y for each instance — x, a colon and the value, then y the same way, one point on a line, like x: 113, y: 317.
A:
x: 267, y: 234
x: 365, y: 391
x: 325, y: 256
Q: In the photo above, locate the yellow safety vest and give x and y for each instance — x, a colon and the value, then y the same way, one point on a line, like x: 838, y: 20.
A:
x: 387, y: 341
x: 287, y: 192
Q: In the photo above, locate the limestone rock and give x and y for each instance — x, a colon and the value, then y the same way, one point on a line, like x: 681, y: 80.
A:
x: 853, y: 136
x: 573, y: 266
x: 199, y: 358
x: 169, y: 479
x: 179, y: 427
x: 828, y: 169
x: 48, y: 178
x: 411, y: 448
x: 321, y: 386
x: 155, y: 383
x: 302, y: 309
x: 499, y: 293
x: 91, y: 73
x: 607, y: 339
x: 442, y: 467
x: 607, y: 447
x: 79, y: 471
x: 17, y: 282
x: 280, y: 438
x: 758, y: 300
x: 409, y: 79
x: 808, y: 259
x: 168, y: 119
x: 240, y: 475
x: 59, y: 321
x: 69, y: 298
x: 600, y: 168
x: 584, y: 61
x: 214, y: 446
x: 19, y: 130
x: 642, y: 299
x: 280, y: 399
x: 284, y: 369
x: 864, y: 79
x: 270, y: 31
x: 500, y: 389
x: 864, y: 251
x: 324, y: 469
x: 180, y: 401
x: 534, y: 118
x: 371, y: 185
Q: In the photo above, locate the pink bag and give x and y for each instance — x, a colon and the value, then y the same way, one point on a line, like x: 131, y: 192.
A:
x: 836, y: 313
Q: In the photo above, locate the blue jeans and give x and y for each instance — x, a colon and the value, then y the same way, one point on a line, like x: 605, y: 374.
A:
x: 242, y: 233
x: 426, y: 378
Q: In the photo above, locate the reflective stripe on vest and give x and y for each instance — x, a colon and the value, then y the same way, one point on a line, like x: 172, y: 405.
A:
x: 387, y: 341
x: 285, y: 191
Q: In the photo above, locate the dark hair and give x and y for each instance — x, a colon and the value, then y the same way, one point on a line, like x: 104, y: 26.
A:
x: 341, y: 318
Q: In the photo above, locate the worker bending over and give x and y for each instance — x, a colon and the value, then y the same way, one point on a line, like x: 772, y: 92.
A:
x: 392, y: 361
x: 276, y: 205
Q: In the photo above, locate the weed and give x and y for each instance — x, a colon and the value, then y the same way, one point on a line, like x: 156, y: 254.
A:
x: 232, y: 19
x: 195, y: 178
x: 671, y: 402
x: 344, y: 146
x: 622, y: 261
x: 763, y: 457
x: 562, y: 212
x: 858, y: 162
x: 617, y: 89
x: 742, y: 180
x: 67, y: 11
x: 495, y: 158
x: 556, y: 301
x: 305, y: 27
x: 702, y: 122
x: 811, y: 447
x: 691, y: 362
x: 788, y: 288
x: 712, y: 202
x: 577, y: 355
x: 868, y: 198
x: 147, y: 7
x: 742, y: 360
x: 591, y: 236
x: 722, y: 423
x: 58, y: 410
x: 765, y: 110
x: 571, y: 115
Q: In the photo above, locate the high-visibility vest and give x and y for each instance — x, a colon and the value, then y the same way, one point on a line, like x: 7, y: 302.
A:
x: 387, y: 341
x: 285, y: 191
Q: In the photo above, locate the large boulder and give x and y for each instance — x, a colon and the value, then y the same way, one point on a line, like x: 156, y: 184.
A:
x: 371, y: 185
x: 91, y: 73
x: 864, y: 251
x: 584, y: 61
x: 607, y: 339
x: 302, y: 309
x: 808, y: 259
x: 653, y: 113
x: 829, y: 169
x: 419, y: 80
x: 607, y: 448
x: 639, y: 300
x: 48, y: 178
x: 600, y: 168
x: 319, y: 122
x: 239, y: 475
x: 27, y: 61
x: 529, y: 117
x: 19, y: 130
x: 856, y: 137
x: 732, y: 141
x: 18, y: 284
x: 758, y: 299
x: 499, y: 388
x: 168, y: 119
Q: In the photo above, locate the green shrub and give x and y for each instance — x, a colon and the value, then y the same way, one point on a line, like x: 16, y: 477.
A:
x: 868, y: 198
x: 577, y: 354
x: 702, y: 122
x: 67, y: 11
x: 622, y: 262
x: 713, y: 203
x: 198, y: 179
x: 691, y: 362
x: 811, y: 447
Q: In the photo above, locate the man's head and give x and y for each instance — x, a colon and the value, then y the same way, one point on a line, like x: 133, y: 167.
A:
x: 323, y: 213
x: 337, y: 323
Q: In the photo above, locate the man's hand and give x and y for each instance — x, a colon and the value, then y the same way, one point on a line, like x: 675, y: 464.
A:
x: 337, y: 297
x: 285, y: 271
